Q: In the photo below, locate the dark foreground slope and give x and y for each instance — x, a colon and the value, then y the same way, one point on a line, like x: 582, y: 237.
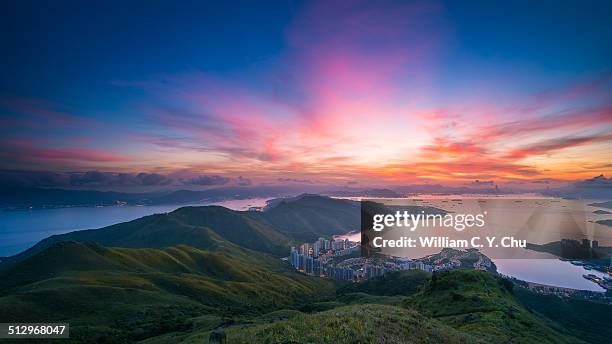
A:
x: 484, y: 305
x: 180, y: 294
x: 581, y: 318
x: 120, y: 294
x: 457, y: 307
x: 354, y: 324
x: 390, y: 284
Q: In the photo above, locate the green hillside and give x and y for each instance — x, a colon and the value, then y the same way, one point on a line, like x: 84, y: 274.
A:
x: 201, y: 227
x: 353, y: 324
x: 181, y: 293
x: 581, y: 318
x: 174, y: 277
x: 121, y: 294
x: 393, y: 283
x: 482, y: 304
x: 304, y: 217
x: 308, y: 217
x: 453, y: 307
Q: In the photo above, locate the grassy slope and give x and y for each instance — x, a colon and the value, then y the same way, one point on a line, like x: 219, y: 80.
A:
x: 305, y: 217
x: 394, y: 283
x: 201, y: 227
x: 481, y: 304
x: 179, y: 294
x: 583, y: 319
x: 308, y: 217
x: 393, y: 288
x: 468, y: 306
x: 349, y: 324
x: 138, y: 293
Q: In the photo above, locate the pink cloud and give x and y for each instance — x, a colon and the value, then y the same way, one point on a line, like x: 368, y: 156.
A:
x: 551, y: 145
x: 355, y: 100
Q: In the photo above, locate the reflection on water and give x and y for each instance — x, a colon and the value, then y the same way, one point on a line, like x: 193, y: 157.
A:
x: 548, y: 271
x: 539, y: 220
x: 20, y: 230
x: 551, y: 271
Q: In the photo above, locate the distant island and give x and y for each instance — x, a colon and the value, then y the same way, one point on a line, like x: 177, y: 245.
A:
x: 382, y: 193
x: 22, y: 198
x: 607, y: 204
x: 602, y: 212
x: 605, y: 222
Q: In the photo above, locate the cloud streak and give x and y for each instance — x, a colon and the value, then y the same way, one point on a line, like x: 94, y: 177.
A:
x: 354, y: 94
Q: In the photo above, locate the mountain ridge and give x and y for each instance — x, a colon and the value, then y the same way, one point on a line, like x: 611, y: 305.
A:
x: 270, y: 231
x: 137, y: 293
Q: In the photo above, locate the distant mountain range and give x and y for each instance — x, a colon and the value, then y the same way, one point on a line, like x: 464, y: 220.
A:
x: 26, y: 198
x: 382, y: 193
x: 18, y: 198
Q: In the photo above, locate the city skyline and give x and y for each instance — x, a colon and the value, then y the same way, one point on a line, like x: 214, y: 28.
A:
x: 308, y: 93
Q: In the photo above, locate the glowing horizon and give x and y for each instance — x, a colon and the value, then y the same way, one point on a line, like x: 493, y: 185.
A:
x: 367, y: 94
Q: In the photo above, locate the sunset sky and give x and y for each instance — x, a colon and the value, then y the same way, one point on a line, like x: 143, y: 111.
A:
x: 289, y: 92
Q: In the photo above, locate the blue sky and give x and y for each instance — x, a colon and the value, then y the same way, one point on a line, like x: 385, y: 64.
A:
x: 122, y: 86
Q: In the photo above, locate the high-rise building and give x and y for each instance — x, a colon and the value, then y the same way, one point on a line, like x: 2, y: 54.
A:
x: 373, y: 271
x: 337, y: 245
x: 294, y: 257
x: 347, y: 274
x: 315, y: 249
x: 338, y: 273
x: 586, y: 243
x: 326, y: 245
x: 321, y: 243
x: 317, y: 268
x: 309, y: 264
x: 302, y: 262
x: 329, y: 271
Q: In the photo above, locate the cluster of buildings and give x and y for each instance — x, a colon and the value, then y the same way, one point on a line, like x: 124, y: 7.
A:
x: 315, y: 259
x: 340, y: 273
x: 330, y: 258
x: 449, y: 259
